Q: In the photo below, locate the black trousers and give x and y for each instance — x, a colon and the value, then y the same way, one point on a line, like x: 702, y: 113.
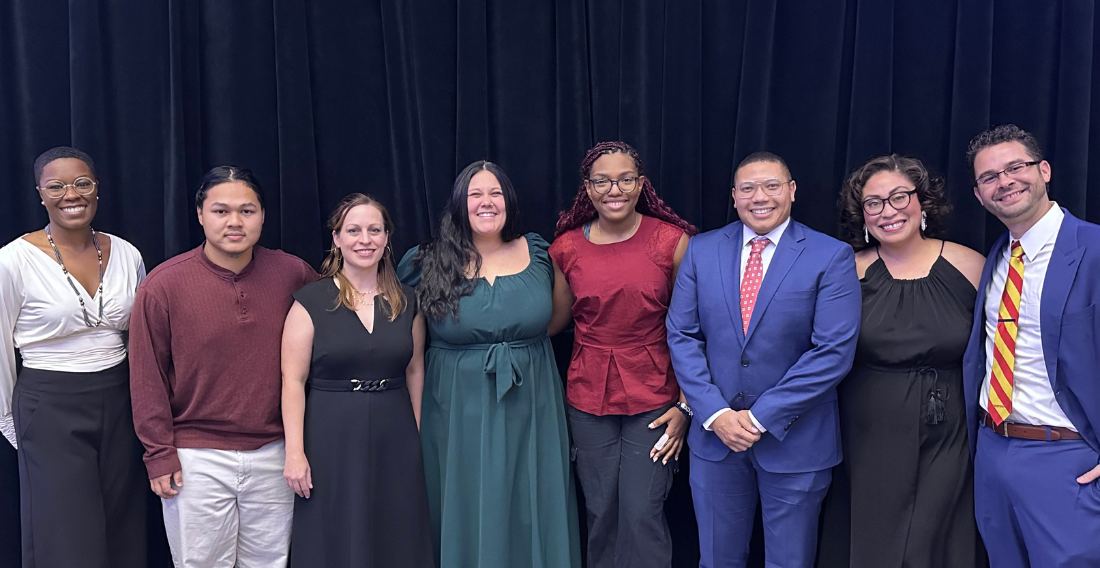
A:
x: 624, y: 489
x: 82, y: 483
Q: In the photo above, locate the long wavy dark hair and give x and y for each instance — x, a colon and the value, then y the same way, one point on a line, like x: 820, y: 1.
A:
x: 649, y: 203
x: 930, y: 193
x: 443, y: 262
x: 388, y: 284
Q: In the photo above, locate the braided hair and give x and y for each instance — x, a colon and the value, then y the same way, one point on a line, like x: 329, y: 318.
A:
x: 649, y: 203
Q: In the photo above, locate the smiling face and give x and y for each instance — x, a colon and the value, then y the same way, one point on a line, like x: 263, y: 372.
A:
x: 362, y: 237
x: 485, y: 204
x: 615, y: 205
x: 892, y: 225
x: 759, y: 211
x: 231, y: 218
x: 1019, y: 199
x: 70, y: 210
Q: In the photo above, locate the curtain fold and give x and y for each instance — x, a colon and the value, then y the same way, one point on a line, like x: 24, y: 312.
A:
x: 394, y: 97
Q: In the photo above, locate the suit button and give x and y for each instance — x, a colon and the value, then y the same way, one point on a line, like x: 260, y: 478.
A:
x: 740, y: 395
x: 744, y: 362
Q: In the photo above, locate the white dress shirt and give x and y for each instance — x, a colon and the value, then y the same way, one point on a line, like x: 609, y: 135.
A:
x: 1033, y: 399
x: 40, y: 315
x: 747, y: 235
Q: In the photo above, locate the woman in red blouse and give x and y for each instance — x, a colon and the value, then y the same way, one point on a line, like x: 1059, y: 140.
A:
x: 616, y: 253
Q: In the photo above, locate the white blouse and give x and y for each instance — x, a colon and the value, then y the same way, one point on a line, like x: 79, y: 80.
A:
x: 40, y: 315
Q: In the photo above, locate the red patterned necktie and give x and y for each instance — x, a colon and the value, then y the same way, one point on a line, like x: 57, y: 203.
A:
x: 1004, y: 344
x: 750, y: 283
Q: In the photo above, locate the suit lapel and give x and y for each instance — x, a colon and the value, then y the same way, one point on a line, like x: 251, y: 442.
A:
x: 729, y: 264
x: 979, y: 310
x: 1061, y: 271
x: 786, y: 252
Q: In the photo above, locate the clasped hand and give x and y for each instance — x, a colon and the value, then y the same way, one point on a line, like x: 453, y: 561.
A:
x: 736, y: 430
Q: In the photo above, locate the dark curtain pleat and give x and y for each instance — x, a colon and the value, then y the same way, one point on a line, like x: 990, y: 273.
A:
x: 394, y: 97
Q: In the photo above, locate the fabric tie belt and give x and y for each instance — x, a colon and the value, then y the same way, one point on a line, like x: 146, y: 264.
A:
x: 1029, y: 432
x: 500, y: 361
x: 357, y: 385
x: 935, y: 408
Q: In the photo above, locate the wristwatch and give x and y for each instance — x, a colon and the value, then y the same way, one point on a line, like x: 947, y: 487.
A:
x: 683, y: 407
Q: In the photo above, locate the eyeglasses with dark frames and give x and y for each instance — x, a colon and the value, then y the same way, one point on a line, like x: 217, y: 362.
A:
x: 1011, y: 171
x: 899, y: 201
x: 604, y: 185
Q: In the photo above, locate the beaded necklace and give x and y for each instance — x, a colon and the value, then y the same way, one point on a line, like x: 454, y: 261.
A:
x: 65, y: 271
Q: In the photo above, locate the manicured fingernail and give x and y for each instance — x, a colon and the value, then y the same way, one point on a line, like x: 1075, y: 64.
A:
x: 650, y: 425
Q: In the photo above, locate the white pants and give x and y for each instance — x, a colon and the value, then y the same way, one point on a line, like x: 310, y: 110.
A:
x: 234, y: 509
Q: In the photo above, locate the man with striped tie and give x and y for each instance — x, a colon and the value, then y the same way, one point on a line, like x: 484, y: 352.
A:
x: 1032, y: 368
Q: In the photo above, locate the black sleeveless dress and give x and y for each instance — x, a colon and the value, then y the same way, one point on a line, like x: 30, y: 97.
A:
x: 369, y: 505
x: 904, y: 495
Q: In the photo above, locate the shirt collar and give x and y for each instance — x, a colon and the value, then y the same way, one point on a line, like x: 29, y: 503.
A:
x: 747, y: 234
x: 225, y: 273
x: 1042, y: 233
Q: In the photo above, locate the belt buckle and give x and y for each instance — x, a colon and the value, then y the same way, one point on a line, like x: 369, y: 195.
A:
x: 359, y: 385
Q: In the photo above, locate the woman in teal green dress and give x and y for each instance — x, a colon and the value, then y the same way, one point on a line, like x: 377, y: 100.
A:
x: 493, y: 427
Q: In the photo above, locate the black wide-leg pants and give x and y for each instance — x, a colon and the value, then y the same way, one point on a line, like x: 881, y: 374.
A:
x: 82, y: 483
x: 624, y: 489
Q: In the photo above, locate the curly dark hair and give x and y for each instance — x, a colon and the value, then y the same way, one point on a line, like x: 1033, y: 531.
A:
x: 930, y: 188
x: 649, y: 203
x: 443, y: 261
x: 1000, y: 135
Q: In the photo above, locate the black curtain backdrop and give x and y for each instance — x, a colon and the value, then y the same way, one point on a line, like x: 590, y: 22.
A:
x: 393, y: 97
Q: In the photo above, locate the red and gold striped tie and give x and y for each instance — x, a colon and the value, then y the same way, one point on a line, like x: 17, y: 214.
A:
x: 1004, y: 345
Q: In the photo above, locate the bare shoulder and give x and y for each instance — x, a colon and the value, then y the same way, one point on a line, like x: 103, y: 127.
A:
x: 864, y: 259
x: 966, y: 260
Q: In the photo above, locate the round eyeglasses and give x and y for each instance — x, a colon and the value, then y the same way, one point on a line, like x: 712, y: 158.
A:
x: 604, y: 185
x: 57, y: 189
x: 899, y: 201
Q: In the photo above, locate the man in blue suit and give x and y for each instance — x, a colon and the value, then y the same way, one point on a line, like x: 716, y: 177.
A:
x: 1032, y: 369
x: 762, y: 326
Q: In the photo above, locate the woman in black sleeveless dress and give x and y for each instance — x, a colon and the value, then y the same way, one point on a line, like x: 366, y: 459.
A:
x: 905, y: 487
x: 362, y: 500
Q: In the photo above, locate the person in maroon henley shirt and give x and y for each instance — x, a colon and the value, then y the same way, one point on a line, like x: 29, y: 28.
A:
x: 205, y: 338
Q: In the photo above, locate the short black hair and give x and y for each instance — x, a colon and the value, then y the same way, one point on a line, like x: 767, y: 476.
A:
x: 763, y: 157
x: 227, y: 174
x: 58, y: 153
x: 1000, y: 135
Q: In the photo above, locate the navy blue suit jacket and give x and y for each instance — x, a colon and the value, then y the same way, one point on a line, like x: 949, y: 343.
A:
x: 800, y: 343
x: 1070, y: 328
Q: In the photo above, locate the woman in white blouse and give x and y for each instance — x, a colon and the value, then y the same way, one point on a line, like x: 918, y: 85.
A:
x: 65, y: 298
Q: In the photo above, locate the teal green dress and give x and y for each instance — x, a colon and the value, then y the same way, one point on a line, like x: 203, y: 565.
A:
x: 493, y: 427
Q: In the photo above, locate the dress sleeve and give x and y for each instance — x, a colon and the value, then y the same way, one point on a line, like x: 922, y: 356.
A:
x: 564, y: 252
x: 11, y: 299
x: 408, y: 270
x: 661, y: 248
x: 540, y: 253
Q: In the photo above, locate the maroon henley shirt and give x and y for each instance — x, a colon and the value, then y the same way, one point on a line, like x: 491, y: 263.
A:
x: 204, y: 354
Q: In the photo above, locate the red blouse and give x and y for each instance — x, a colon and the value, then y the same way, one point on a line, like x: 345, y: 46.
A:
x: 620, y: 363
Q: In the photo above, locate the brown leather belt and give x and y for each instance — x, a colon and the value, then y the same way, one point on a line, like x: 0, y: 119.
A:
x: 1029, y: 432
